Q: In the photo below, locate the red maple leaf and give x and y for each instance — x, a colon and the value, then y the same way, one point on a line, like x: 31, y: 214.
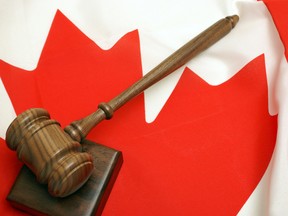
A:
x: 204, y: 154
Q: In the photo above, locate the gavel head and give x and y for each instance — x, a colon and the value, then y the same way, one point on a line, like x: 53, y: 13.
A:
x: 49, y: 152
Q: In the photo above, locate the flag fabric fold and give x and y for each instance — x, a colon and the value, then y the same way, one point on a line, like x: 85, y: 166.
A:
x: 221, y: 118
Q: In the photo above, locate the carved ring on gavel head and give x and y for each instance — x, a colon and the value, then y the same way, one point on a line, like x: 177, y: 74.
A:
x: 50, y: 153
x: 55, y: 156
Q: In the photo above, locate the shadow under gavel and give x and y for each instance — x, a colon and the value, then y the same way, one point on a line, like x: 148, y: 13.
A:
x: 55, y: 156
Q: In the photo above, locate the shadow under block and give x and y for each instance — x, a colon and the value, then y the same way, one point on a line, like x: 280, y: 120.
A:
x: 30, y: 196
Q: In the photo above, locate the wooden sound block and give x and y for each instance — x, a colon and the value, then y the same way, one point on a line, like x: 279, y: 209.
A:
x: 30, y: 196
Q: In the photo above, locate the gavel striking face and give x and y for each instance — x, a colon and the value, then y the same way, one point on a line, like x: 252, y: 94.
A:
x: 50, y: 153
x: 55, y: 155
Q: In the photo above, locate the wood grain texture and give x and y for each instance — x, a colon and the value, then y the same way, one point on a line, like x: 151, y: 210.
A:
x: 51, y: 154
x: 30, y: 196
x: 79, y: 129
x: 55, y: 157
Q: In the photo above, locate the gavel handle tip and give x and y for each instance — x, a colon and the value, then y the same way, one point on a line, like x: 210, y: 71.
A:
x: 234, y: 19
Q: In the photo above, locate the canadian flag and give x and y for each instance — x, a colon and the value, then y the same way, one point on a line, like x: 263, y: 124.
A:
x: 209, y: 139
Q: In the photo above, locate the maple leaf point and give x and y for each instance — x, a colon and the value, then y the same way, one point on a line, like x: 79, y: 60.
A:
x: 168, y: 26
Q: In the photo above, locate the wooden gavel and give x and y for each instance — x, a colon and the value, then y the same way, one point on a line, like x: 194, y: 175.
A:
x: 56, y: 157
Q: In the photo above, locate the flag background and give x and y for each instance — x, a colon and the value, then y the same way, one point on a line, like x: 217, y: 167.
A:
x: 211, y: 148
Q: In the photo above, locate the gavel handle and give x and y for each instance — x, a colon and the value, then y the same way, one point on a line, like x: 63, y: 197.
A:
x: 80, y: 128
